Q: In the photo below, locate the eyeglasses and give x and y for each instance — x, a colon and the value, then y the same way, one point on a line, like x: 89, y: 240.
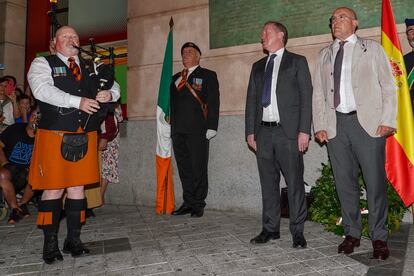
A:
x: 410, y: 32
x: 341, y: 17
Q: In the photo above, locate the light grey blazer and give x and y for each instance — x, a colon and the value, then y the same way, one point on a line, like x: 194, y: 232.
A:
x: 373, y: 86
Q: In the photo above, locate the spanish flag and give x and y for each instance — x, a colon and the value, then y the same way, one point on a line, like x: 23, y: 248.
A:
x: 399, y: 147
x: 165, y: 188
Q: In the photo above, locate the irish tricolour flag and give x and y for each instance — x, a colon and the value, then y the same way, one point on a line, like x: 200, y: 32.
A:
x: 399, y: 162
x: 165, y: 188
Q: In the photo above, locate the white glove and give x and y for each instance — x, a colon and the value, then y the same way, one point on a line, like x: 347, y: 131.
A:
x: 210, y: 133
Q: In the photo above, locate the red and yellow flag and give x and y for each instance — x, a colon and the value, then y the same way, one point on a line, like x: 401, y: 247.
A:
x: 399, y: 147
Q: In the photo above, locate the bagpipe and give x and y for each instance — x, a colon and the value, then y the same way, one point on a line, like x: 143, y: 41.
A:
x: 102, y: 77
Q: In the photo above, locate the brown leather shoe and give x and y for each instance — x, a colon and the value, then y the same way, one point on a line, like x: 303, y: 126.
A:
x: 381, y: 251
x: 347, y: 246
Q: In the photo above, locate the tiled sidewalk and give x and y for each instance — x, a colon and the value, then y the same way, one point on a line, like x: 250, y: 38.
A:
x: 126, y: 240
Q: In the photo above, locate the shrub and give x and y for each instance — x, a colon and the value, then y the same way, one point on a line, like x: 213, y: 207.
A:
x: 326, y: 208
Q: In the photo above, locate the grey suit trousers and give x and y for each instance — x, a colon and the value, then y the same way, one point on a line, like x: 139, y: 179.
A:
x: 276, y: 153
x: 352, y: 148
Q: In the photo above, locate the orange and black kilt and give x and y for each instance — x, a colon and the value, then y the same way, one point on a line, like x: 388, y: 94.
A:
x: 48, y: 169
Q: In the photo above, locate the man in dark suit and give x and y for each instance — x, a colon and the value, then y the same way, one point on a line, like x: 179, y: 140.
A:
x: 278, y: 122
x: 193, y: 91
x: 409, y: 57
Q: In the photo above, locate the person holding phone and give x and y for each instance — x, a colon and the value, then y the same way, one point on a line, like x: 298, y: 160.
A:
x: 8, y: 101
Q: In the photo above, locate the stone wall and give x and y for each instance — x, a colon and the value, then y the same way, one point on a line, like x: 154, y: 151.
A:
x: 233, y: 177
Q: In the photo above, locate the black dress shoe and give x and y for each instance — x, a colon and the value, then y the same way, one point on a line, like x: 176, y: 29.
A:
x: 51, y: 250
x: 265, y: 236
x: 184, y: 209
x: 75, y: 247
x: 89, y: 213
x: 348, y: 245
x: 381, y: 251
x: 299, y: 240
x: 197, y: 213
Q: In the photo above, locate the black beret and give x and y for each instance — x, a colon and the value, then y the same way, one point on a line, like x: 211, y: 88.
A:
x: 192, y: 45
x: 409, y: 22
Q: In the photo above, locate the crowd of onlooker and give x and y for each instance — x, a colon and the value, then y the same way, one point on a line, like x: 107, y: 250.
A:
x: 17, y: 127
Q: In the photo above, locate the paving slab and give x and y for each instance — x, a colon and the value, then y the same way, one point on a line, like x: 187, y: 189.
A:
x: 131, y: 240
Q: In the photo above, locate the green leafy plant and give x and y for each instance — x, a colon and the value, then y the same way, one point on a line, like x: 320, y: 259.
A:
x: 326, y: 208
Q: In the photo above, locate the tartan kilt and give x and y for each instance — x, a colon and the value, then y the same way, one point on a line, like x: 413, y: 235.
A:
x: 49, y: 171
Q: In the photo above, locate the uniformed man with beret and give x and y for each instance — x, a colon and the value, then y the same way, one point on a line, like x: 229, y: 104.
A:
x: 409, y: 58
x: 194, y: 120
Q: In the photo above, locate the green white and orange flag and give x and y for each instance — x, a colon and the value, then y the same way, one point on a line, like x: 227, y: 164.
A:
x: 399, y: 147
x: 165, y: 187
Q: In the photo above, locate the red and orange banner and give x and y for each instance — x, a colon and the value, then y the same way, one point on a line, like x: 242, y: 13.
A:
x: 399, y: 147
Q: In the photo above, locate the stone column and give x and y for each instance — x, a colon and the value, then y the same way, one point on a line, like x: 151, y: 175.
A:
x: 13, y: 38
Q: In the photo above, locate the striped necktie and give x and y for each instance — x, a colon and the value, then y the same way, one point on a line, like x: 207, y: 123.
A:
x: 183, y: 79
x: 75, y: 69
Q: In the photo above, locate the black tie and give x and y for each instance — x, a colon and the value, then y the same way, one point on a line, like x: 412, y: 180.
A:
x: 337, y: 73
x: 267, y: 87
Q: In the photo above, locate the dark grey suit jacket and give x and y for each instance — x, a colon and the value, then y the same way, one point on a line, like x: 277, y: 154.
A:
x: 293, y: 93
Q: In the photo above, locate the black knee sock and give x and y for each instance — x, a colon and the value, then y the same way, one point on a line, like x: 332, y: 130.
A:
x: 75, y: 216
x: 48, y: 216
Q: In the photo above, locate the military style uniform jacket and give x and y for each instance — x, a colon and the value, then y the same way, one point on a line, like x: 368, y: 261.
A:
x: 409, y: 64
x: 186, y: 114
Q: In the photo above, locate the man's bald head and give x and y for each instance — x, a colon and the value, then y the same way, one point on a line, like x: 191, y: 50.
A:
x: 65, y: 38
x: 344, y: 23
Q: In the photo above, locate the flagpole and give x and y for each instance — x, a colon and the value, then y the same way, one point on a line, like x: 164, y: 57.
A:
x: 165, y: 188
x: 164, y: 211
x: 412, y: 212
x: 164, y: 207
x: 171, y: 23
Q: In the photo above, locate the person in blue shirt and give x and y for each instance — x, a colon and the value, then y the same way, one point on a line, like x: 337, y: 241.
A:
x: 16, y: 147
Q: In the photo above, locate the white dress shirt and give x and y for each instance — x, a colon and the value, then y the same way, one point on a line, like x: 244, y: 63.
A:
x: 271, y: 113
x: 190, y: 70
x: 346, y: 92
x: 41, y: 82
